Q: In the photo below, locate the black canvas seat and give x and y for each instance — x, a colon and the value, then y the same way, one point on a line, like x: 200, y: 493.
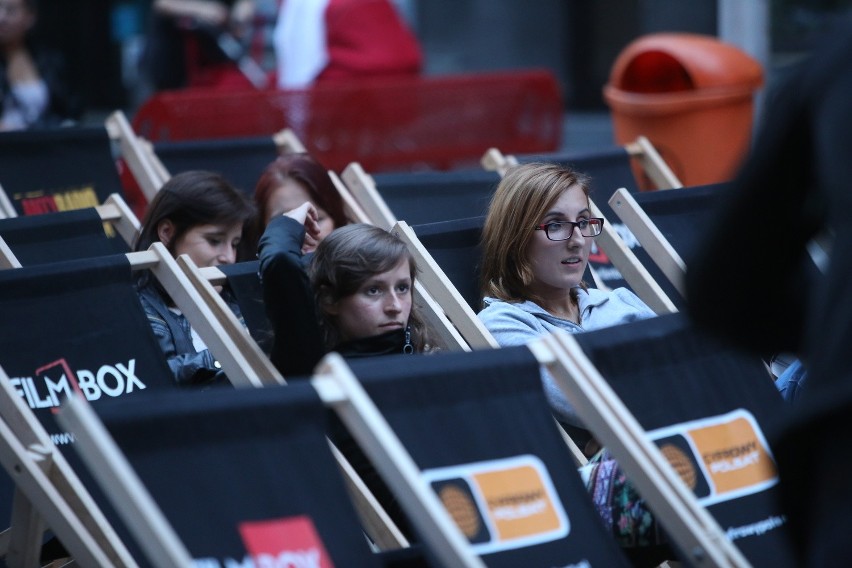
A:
x: 58, y: 169
x: 239, y: 160
x: 712, y: 411
x: 66, y: 235
x: 243, y: 475
x: 478, y: 427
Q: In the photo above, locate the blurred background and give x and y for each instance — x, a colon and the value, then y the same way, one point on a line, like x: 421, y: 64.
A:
x: 578, y: 40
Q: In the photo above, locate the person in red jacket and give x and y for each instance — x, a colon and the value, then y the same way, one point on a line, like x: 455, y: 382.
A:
x: 321, y: 40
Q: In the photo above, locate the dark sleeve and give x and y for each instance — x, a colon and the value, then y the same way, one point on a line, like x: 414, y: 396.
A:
x: 298, y: 345
x: 188, y: 367
x: 751, y: 272
x: 65, y: 102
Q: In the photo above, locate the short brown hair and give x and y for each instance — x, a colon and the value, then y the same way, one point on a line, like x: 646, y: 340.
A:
x: 521, y: 199
x: 347, y: 258
x: 193, y: 198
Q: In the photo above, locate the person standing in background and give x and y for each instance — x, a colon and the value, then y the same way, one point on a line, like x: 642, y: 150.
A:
x: 198, y: 43
x: 33, y: 88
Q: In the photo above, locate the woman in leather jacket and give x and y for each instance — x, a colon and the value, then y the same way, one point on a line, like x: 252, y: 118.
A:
x: 202, y: 215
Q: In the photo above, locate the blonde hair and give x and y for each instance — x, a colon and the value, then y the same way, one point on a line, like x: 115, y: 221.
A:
x: 521, y: 199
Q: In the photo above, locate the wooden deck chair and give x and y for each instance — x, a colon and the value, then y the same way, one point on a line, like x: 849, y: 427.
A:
x: 267, y: 490
x: 379, y: 526
x: 71, y: 234
x: 705, y: 407
x: 137, y: 154
x: 475, y: 429
x: 70, y: 285
x: 426, y: 197
x: 244, y: 283
x: 47, y: 493
x: 76, y: 325
x: 612, y: 166
x: 58, y: 169
x: 454, y: 305
x: 668, y: 224
x: 364, y: 205
x: 240, y: 160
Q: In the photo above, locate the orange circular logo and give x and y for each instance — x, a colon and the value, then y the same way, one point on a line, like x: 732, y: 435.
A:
x: 681, y: 463
x: 461, y: 509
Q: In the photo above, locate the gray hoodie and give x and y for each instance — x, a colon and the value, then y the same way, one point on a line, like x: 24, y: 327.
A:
x: 517, y: 323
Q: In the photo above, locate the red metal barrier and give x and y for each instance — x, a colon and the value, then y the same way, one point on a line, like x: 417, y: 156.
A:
x: 385, y: 124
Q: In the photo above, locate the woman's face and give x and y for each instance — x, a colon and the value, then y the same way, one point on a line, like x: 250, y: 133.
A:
x: 290, y: 195
x: 558, y: 266
x: 15, y: 21
x: 206, y: 245
x: 381, y: 304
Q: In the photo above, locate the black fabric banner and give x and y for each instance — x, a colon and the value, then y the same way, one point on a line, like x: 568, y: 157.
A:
x: 75, y: 326
x: 239, y: 160
x: 609, y: 168
x: 478, y: 426
x: 57, y: 169
x: 455, y: 246
x: 711, y: 410
x: 243, y: 475
x: 52, y: 237
x: 244, y: 284
x: 682, y: 214
x: 429, y: 197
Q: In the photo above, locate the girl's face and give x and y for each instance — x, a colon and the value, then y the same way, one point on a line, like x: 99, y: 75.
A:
x: 381, y: 304
x: 206, y: 245
x: 558, y: 266
x: 290, y: 195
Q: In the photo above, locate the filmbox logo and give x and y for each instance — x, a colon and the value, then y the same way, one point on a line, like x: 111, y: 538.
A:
x: 56, y: 380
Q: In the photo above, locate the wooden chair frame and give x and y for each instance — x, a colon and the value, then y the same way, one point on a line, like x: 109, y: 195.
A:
x: 339, y: 390
x: 382, y: 530
x: 688, y: 524
x: 6, y: 208
x: 649, y: 236
x: 244, y: 364
x: 136, y: 153
x: 114, y: 211
x: 48, y: 493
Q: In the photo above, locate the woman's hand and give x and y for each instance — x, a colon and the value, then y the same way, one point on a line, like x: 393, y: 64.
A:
x: 306, y: 214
